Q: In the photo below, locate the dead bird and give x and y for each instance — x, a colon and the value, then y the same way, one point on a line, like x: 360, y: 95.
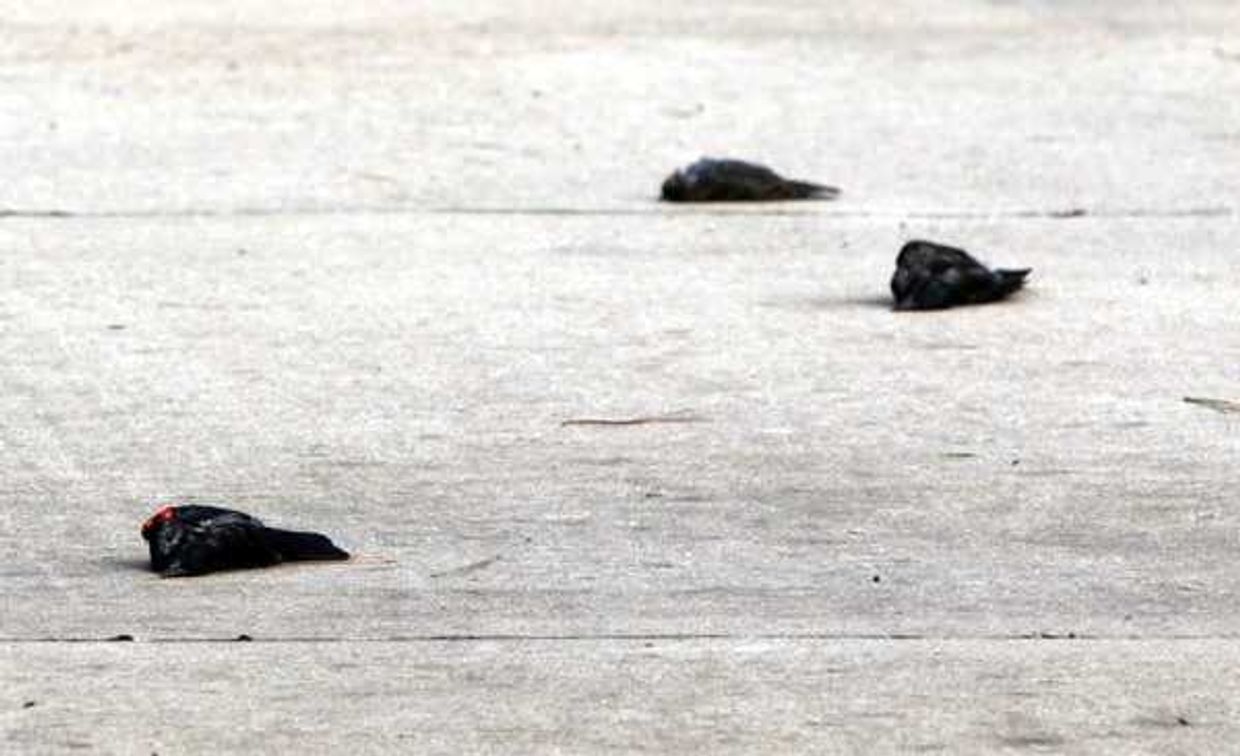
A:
x: 195, y: 540
x: 932, y: 276
x: 711, y: 180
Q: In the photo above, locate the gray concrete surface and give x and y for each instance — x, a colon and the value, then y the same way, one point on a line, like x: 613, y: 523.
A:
x: 353, y: 269
x: 679, y: 696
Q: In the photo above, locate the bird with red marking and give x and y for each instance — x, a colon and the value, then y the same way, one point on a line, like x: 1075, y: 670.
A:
x: 195, y: 539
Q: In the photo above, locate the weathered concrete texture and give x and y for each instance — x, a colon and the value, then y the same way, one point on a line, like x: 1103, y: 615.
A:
x: 401, y: 384
x: 358, y: 268
x: 603, y: 696
x: 951, y: 106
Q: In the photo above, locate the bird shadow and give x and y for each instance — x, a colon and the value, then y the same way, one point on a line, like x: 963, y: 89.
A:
x: 120, y: 564
x: 874, y: 302
x: 833, y: 303
x: 877, y: 302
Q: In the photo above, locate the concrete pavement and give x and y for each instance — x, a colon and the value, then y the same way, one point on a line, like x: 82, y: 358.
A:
x: 608, y: 696
x: 354, y: 269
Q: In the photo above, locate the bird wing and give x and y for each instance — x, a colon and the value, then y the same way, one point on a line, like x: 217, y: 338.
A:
x: 935, y: 258
x: 225, y: 541
x: 975, y: 278
x: 740, y: 172
x: 200, y: 513
x: 232, y: 531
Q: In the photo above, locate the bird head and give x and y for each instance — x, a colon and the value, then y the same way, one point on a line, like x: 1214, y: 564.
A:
x: 163, y: 515
x: 675, y: 187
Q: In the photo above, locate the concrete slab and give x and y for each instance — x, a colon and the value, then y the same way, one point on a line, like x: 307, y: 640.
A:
x: 361, y: 268
x: 599, y: 696
x: 401, y: 382
x: 959, y: 106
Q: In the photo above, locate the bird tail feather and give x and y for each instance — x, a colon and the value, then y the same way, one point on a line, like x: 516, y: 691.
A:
x: 810, y: 190
x: 1011, y: 280
x: 295, y: 545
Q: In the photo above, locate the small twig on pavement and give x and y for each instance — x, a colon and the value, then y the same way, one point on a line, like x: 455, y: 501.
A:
x: 680, y: 416
x: 481, y: 564
x: 1218, y: 405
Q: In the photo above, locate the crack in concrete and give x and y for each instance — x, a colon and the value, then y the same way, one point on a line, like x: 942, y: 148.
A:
x: 732, y: 210
x: 625, y: 638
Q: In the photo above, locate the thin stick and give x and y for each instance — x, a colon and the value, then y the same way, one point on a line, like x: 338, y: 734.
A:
x: 682, y: 416
x: 1218, y: 405
x: 481, y: 564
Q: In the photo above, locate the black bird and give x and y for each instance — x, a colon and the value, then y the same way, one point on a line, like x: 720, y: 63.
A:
x: 710, y: 180
x: 194, y: 540
x: 931, y: 276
